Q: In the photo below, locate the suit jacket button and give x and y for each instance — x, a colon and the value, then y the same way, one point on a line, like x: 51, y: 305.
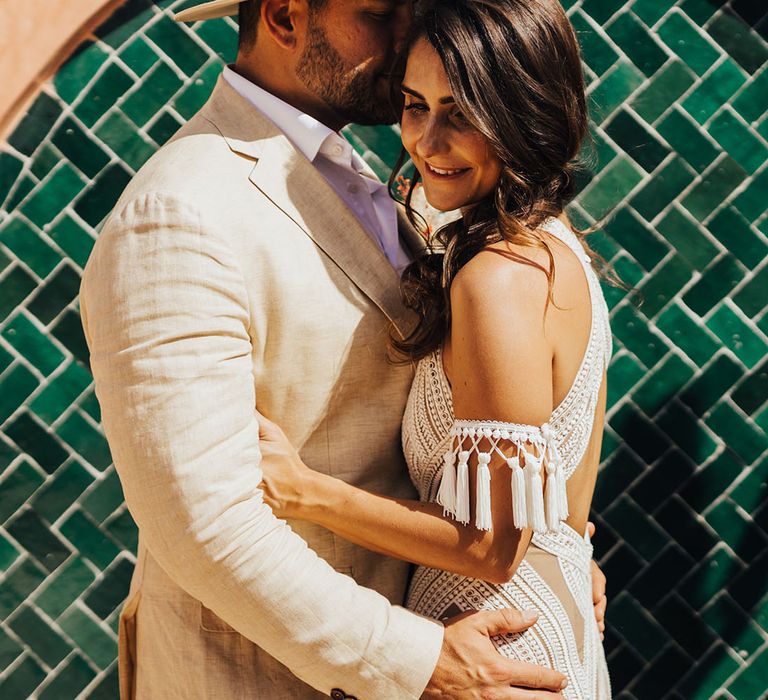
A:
x: 338, y: 694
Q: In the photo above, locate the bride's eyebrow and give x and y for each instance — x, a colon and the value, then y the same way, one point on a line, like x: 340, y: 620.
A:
x: 443, y: 100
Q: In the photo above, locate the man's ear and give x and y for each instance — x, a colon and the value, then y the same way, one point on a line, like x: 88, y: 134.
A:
x: 279, y: 21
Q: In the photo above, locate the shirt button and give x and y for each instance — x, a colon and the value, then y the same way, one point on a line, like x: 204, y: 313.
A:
x: 352, y: 189
x: 337, y: 150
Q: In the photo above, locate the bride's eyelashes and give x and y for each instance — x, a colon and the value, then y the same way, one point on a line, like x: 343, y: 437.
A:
x: 456, y: 118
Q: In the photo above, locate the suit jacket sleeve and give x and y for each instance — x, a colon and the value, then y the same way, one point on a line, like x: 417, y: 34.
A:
x: 167, y: 321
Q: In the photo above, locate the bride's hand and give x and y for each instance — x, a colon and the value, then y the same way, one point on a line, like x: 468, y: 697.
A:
x: 285, y: 477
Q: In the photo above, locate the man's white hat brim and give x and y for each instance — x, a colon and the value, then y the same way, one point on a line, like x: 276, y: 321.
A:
x: 208, y: 10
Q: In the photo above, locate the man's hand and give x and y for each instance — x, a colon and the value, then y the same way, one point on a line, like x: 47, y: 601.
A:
x: 599, y: 599
x: 471, y: 668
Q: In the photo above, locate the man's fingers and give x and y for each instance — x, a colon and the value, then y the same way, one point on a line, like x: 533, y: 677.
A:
x: 504, y: 621
x: 523, y: 675
x: 590, y: 529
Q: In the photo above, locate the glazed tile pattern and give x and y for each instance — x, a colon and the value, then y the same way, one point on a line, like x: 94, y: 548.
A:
x: 680, y: 93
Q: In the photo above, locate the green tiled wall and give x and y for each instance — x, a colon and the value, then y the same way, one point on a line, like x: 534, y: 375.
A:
x: 680, y: 92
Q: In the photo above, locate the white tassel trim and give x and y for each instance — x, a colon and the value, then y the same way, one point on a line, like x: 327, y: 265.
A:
x: 483, y: 520
x: 446, y: 496
x: 462, y: 488
x: 534, y: 505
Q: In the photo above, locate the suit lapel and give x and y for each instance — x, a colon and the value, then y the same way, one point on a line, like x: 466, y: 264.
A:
x: 294, y: 185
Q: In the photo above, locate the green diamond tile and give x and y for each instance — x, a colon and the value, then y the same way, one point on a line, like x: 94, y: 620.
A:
x: 104, y: 596
x: 752, y: 392
x: 79, y: 148
x: 196, y: 94
x: 637, y: 43
x: 687, y: 140
x: 737, y: 432
x: 96, y: 643
x: 124, y: 530
x: 752, y: 490
x: 159, y: 83
x: 687, y: 239
x: 65, y: 587
x: 752, y: 102
x: 17, y: 486
x: 708, y: 388
x: 139, y: 56
x: 69, y: 332
x: 714, y: 91
x: 121, y: 136
x: 744, y: 45
x: 44, y: 640
x: 683, y: 429
x: 105, y: 497
x: 89, y: 540
x: 108, y: 88
x: 36, y: 442
x: 178, y: 44
x: 16, y: 385
x: 718, y: 182
x: 711, y: 482
x: 751, y: 201
x: 665, y: 186
x: 69, y: 681
x: 688, y: 42
x: 14, y: 288
x: 78, y: 70
x: 665, y: 283
x: 637, y: 626
x: 737, y: 335
x: 734, y: 232
x: 642, y: 435
x: 85, y: 440
x: 58, y: 290
x: 107, y: 688
x: 45, y: 159
x: 22, y: 681
x: 651, y: 11
x: 55, y: 193
x: 163, y: 128
x: 29, y: 246
x: 715, y: 283
x: 99, y: 199
x: 598, y: 54
x: 19, y: 584
x: 60, y: 492
x: 633, y: 235
x: 10, y: 167
x: 616, y: 182
x: 666, y: 382
x: 38, y: 122
x: 220, y: 37
x: 61, y: 392
x: 30, y: 341
x: 633, y: 137
x: 71, y: 237
x: 623, y: 373
x: 711, y: 673
x: 8, y: 556
x: 663, y: 91
x: 38, y: 539
x: 738, y: 140
x: 9, y: 650
x: 749, y: 684
x: 635, y: 528
x: 742, y: 535
x: 614, y: 88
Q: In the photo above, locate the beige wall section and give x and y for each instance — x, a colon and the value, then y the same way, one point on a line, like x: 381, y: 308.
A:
x: 36, y: 37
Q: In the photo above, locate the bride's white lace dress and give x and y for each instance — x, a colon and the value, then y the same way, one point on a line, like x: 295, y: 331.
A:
x: 555, y: 576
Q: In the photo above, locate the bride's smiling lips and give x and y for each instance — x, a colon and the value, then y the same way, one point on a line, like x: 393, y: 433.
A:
x: 444, y: 173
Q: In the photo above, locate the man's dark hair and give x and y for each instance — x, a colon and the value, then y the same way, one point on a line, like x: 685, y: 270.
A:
x: 248, y: 19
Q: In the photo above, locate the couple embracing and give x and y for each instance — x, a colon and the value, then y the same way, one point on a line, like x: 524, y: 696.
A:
x: 272, y: 342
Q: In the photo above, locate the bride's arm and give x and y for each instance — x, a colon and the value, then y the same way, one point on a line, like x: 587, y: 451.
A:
x: 501, y: 367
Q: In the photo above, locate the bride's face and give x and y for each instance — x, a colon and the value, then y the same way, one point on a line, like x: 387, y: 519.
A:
x: 456, y: 162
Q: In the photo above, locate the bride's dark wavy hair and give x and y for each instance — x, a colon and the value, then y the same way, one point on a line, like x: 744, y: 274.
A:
x: 514, y: 69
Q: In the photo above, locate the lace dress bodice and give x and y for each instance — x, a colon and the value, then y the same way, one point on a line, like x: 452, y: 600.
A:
x: 555, y: 577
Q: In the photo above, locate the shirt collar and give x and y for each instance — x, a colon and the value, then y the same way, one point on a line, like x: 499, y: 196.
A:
x: 307, y: 134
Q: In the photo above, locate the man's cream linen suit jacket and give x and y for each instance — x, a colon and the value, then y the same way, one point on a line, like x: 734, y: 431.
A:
x: 231, y: 276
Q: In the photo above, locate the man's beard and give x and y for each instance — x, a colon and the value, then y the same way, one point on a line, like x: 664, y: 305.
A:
x: 350, y: 93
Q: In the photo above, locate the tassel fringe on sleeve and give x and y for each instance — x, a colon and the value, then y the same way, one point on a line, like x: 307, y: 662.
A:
x: 539, y: 507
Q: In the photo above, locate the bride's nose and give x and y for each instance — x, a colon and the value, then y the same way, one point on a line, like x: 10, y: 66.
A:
x: 432, y: 140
